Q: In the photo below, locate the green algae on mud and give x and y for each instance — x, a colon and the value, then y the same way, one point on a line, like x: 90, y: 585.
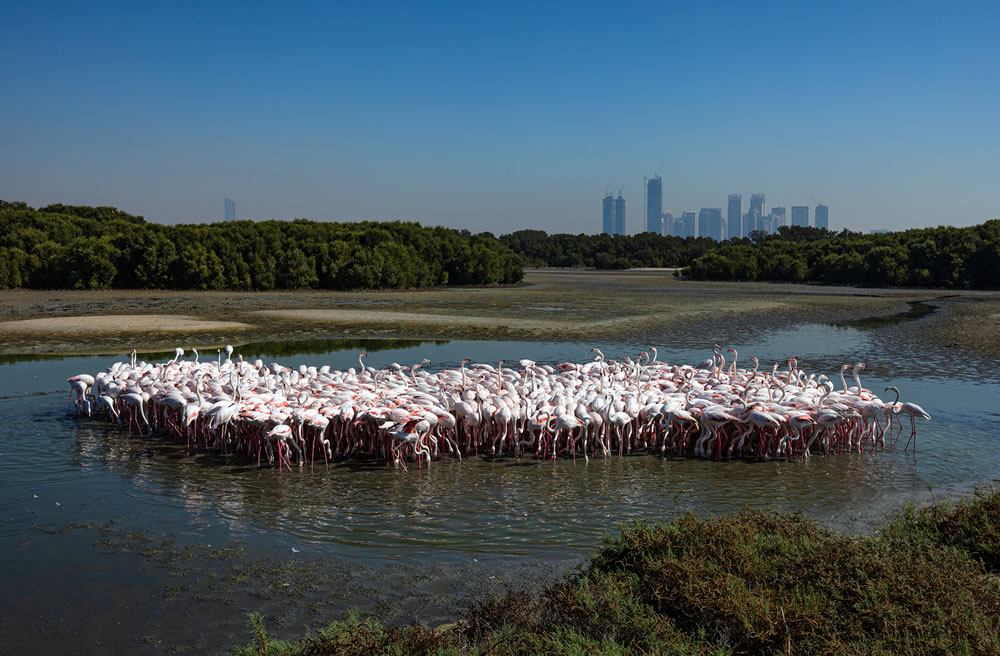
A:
x: 551, y: 304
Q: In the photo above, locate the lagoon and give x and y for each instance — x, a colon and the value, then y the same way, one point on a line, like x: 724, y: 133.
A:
x: 123, y: 544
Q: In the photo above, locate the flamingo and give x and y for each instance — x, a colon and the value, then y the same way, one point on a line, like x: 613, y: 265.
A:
x: 712, y: 418
x: 913, y: 411
x: 80, y: 384
x: 547, y: 409
x: 136, y: 400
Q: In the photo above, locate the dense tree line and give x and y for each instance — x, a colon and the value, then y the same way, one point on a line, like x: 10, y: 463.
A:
x: 62, y: 246
x: 59, y: 246
x: 944, y: 257
x: 539, y: 249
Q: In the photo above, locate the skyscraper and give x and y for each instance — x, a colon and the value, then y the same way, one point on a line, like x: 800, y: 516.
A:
x: 677, y: 229
x: 619, y: 215
x: 800, y: 215
x: 654, y: 205
x: 735, y: 216
x: 710, y: 222
x: 230, y: 210
x: 822, y: 217
x: 673, y: 226
x: 778, y: 217
x: 690, y: 226
x: 667, y: 219
x: 608, y: 224
x: 758, y: 203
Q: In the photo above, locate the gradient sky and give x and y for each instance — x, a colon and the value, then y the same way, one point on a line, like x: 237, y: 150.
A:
x: 502, y: 116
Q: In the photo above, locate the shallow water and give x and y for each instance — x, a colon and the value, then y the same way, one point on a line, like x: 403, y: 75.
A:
x: 918, y: 310
x: 110, y: 541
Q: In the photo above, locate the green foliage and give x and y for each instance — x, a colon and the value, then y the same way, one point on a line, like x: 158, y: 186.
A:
x: 536, y: 248
x: 971, y: 527
x: 90, y: 263
x: 749, y: 583
x: 730, y: 262
x: 771, y: 580
x: 352, y: 636
x: 945, y: 257
x: 951, y: 258
x: 61, y: 246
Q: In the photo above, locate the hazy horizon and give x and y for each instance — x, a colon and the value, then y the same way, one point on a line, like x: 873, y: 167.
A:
x: 502, y: 118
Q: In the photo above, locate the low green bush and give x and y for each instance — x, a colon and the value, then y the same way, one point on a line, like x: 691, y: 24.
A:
x: 749, y: 583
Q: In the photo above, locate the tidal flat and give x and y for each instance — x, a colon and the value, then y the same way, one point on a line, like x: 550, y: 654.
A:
x: 650, y: 306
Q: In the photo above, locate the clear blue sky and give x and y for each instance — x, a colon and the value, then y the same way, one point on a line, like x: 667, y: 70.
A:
x: 504, y: 116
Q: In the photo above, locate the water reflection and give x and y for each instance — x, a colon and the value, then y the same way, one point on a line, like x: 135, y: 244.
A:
x: 366, y: 510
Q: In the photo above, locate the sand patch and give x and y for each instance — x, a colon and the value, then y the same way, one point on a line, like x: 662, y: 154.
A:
x: 117, y: 323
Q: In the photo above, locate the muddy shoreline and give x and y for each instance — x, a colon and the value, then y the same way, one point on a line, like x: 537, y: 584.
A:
x: 551, y: 305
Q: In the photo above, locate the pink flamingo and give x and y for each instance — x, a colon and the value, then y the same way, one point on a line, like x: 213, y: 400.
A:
x: 913, y: 411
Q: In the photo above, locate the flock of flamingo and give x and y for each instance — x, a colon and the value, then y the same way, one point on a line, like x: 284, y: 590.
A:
x: 409, y: 414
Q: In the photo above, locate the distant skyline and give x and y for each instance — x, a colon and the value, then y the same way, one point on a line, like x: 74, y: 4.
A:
x: 502, y: 117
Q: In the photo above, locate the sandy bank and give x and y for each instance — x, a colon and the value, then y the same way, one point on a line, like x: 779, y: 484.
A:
x: 118, y: 323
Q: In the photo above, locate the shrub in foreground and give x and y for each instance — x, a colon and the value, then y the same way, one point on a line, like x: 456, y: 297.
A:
x: 749, y: 583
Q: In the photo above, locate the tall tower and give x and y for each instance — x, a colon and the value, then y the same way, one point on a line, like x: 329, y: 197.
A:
x: 619, y: 215
x: 654, y: 205
x: 230, y: 210
x: 822, y: 217
x: 710, y: 222
x: 778, y: 217
x: 753, y: 219
x: 800, y: 215
x: 608, y: 224
x: 667, y: 219
x: 690, y: 226
x: 735, y: 216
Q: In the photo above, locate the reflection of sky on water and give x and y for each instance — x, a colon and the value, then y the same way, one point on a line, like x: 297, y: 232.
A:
x: 367, y: 510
